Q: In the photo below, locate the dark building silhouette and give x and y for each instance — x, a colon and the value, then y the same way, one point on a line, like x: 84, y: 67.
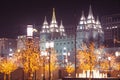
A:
x: 111, y: 27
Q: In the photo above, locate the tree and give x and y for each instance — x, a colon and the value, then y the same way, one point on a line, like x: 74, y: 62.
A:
x: 70, y: 68
x: 30, y: 58
x: 87, y: 58
x: 7, y: 66
x: 53, y: 62
x: 107, y: 64
x: 104, y: 65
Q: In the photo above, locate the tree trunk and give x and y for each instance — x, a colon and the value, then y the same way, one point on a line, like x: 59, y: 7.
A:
x: 8, y: 76
x: 4, y: 76
x: 30, y: 76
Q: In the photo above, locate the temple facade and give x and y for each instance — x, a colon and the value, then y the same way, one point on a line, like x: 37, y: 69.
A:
x: 88, y: 30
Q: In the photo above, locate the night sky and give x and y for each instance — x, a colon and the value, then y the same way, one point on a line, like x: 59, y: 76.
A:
x: 16, y: 14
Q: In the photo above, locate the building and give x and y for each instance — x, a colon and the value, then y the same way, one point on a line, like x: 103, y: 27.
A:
x: 88, y: 30
x: 7, y: 47
x: 111, y: 27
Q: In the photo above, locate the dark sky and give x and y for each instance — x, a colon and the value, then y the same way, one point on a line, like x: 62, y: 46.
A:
x: 16, y: 14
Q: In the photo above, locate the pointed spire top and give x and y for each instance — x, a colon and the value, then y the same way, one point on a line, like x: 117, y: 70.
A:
x: 45, y: 27
x: 97, y: 17
x: 82, y: 13
x: 90, y: 10
x: 61, y: 24
x: 53, y: 16
x: 97, y: 20
x: 98, y: 24
x: 45, y: 21
x: 83, y: 16
x: 82, y: 19
x: 61, y: 29
x: 90, y: 15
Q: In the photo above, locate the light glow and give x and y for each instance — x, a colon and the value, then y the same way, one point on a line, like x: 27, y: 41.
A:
x: 29, y: 31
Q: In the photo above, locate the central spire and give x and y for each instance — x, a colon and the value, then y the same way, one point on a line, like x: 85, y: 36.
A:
x: 90, y: 15
x: 53, y: 16
x: 53, y: 25
x: 90, y: 19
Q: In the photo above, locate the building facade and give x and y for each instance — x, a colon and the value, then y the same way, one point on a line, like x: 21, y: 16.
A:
x: 111, y: 27
x: 88, y: 30
x: 7, y: 47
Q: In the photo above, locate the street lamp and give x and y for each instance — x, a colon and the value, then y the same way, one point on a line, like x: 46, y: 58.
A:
x: 109, y: 58
x: 44, y: 54
x: 68, y: 55
x: 49, y: 46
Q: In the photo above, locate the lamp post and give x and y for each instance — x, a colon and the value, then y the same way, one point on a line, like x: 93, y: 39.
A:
x: 49, y: 46
x: 68, y: 55
x: 117, y: 54
x: 109, y: 58
x: 44, y: 54
x: 65, y: 56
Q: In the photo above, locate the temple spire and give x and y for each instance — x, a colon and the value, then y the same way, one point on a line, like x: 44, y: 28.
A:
x: 90, y: 19
x: 45, y: 27
x: 82, y: 23
x: 90, y: 15
x: 53, y: 16
x: 97, y: 20
x: 98, y: 25
x: 45, y: 21
x: 61, y: 24
x: 61, y: 27
x: 83, y: 19
x: 62, y: 30
x: 53, y: 25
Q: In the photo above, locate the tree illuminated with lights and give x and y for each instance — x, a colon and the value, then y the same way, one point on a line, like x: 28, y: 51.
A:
x: 7, y: 66
x: 69, y: 68
x: 53, y: 62
x: 87, y: 58
x: 107, y: 64
x: 30, y: 58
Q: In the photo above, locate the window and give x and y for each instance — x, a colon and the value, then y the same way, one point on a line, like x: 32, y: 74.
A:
x: 68, y: 42
x: 56, y: 43
x: 60, y: 43
x: 72, y: 42
x: 57, y: 51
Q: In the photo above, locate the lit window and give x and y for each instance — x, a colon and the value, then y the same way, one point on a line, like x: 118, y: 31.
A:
x: 57, y: 31
x: 10, y: 50
x: 68, y: 42
x: 80, y: 27
x: 107, y: 27
x: 10, y: 43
